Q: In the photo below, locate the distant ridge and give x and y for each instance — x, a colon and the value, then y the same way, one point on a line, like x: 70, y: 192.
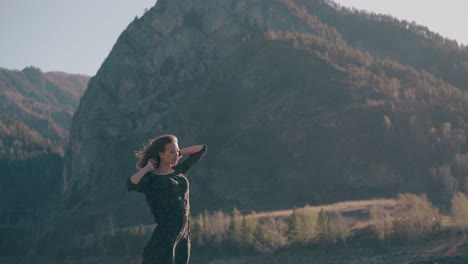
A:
x: 36, y: 111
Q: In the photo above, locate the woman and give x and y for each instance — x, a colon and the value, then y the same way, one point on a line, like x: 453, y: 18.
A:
x: 166, y: 188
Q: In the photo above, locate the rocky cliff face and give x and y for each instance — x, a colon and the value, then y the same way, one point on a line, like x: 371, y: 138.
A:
x: 162, y: 71
x: 285, y: 122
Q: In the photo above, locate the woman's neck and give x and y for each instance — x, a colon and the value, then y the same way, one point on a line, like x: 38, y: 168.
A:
x: 164, y: 169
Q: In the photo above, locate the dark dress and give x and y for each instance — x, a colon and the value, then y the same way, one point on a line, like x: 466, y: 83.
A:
x: 168, y: 198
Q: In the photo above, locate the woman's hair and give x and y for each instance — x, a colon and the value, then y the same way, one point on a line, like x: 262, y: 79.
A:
x: 152, y: 148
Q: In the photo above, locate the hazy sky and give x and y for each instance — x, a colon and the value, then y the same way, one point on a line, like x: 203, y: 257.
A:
x: 448, y: 18
x: 76, y: 36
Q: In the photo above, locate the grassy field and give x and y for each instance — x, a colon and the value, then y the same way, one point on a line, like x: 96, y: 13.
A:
x: 356, y: 212
x: 273, y: 243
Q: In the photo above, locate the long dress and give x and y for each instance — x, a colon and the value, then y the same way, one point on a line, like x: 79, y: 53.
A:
x: 168, y: 198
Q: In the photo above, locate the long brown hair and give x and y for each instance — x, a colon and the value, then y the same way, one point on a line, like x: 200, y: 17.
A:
x: 152, y: 148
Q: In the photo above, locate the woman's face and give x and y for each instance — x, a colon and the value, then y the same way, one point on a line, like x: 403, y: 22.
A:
x: 171, y: 154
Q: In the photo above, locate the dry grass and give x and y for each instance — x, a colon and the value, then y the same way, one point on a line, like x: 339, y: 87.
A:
x: 352, y: 209
x: 356, y: 212
x: 342, y: 207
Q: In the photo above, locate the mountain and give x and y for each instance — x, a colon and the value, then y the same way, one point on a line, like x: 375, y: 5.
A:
x: 406, y: 42
x: 36, y: 114
x: 37, y: 109
x: 298, y: 101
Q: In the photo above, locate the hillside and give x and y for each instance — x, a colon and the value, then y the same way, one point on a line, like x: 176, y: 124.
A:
x: 345, y: 232
x: 268, y: 82
x: 406, y: 42
x: 35, y: 118
x: 295, y: 106
x: 37, y: 110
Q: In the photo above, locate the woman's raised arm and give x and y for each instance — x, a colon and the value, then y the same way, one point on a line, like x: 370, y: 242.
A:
x: 136, y: 178
x: 195, y: 154
x: 191, y: 150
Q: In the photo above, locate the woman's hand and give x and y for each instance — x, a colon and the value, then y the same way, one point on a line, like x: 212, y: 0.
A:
x: 151, y: 165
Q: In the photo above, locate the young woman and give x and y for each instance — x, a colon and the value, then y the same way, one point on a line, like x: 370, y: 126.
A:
x: 166, y: 188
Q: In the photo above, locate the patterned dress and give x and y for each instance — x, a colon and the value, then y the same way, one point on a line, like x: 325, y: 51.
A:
x: 168, y: 198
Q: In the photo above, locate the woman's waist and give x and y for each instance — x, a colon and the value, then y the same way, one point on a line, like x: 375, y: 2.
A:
x: 174, y: 210
x: 174, y: 221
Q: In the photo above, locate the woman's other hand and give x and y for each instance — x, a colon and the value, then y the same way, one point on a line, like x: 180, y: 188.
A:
x: 151, y: 165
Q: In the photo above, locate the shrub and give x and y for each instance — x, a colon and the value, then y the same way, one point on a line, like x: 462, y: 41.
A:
x: 302, y: 225
x: 249, y: 228
x: 324, y: 227
x: 382, y: 222
x: 415, y: 217
x: 271, y: 235
x: 459, y: 209
x: 340, y: 227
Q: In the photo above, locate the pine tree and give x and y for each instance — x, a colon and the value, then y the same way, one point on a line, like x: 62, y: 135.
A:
x: 198, y: 231
x: 208, y: 232
x: 340, y: 227
x: 235, y: 229
x: 302, y: 225
x: 459, y: 210
x: 249, y: 228
x: 293, y: 226
x: 324, y: 228
x: 382, y: 223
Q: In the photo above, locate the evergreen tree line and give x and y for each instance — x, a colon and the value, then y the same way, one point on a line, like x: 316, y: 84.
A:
x: 37, y: 110
x: 18, y: 141
x: 385, y: 36
x: 237, y: 233
x: 405, y: 86
x: 412, y: 218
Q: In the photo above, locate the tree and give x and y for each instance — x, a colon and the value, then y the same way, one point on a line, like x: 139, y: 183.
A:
x: 340, y: 227
x: 271, y: 234
x: 235, y: 228
x: 382, y: 223
x: 324, y: 227
x: 294, y: 225
x: 219, y: 224
x: 249, y: 227
x: 207, y: 232
x: 198, y: 230
x: 459, y: 210
x: 415, y: 217
x: 302, y: 225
